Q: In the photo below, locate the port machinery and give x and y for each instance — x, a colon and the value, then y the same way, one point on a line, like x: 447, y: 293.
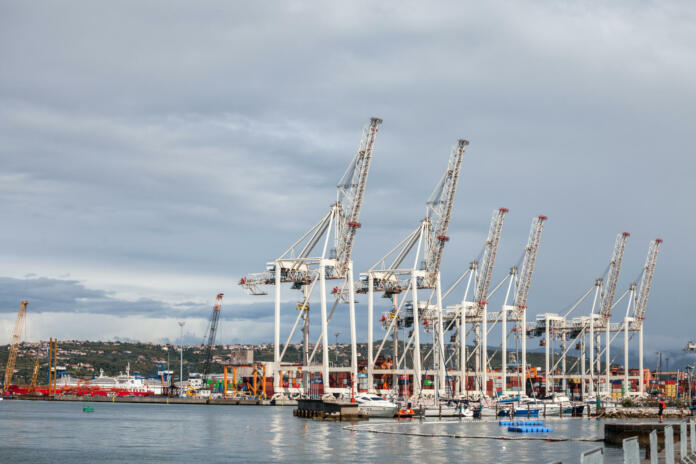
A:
x: 14, y: 344
x: 584, y: 332
x: 392, y: 277
x: 312, y: 260
x: 472, y: 317
x: 304, y: 269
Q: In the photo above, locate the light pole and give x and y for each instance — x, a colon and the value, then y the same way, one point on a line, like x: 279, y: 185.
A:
x: 181, y: 360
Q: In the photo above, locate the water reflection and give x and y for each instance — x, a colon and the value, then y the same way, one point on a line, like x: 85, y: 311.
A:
x: 61, y: 432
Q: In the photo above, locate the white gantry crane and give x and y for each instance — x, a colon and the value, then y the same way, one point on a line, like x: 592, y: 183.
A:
x: 555, y: 326
x: 632, y: 322
x: 639, y: 300
x: 473, y: 308
x: 480, y: 303
x: 305, y: 268
x: 607, y: 301
x: 387, y: 276
x: 521, y: 278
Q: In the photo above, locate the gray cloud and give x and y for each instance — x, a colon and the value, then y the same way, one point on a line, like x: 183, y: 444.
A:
x: 172, y: 139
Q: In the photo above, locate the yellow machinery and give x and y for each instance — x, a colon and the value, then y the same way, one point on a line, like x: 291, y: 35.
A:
x: 253, y: 389
x: 14, y: 347
x: 34, y: 376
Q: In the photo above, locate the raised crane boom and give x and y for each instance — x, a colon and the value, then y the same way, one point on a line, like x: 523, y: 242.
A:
x: 613, y: 275
x: 641, y: 299
x: 528, y: 262
x: 439, y: 207
x: 351, y: 191
x: 487, y: 262
x: 297, y: 263
x: 212, y: 331
x: 14, y: 345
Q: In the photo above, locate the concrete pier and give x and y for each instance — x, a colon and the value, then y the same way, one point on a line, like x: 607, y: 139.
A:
x: 153, y: 400
x: 328, y: 410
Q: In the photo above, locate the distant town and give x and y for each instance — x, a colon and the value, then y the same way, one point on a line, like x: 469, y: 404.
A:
x: 84, y: 359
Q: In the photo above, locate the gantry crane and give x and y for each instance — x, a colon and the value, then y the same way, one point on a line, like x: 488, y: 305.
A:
x: 427, y: 243
x: 304, y: 269
x: 474, y: 310
x: 521, y: 278
x: 607, y: 302
x: 14, y: 344
x: 613, y: 275
x: 552, y: 325
x: 639, y: 300
x: 209, y: 339
x: 480, y: 304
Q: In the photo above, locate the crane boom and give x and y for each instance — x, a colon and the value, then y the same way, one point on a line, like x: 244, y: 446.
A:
x: 613, y: 275
x: 488, y: 258
x: 440, y: 206
x: 34, y: 376
x: 14, y: 346
x: 342, y: 220
x: 212, y: 331
x: 641, y: 299
x: 351, y: 191
x: 530, y: 254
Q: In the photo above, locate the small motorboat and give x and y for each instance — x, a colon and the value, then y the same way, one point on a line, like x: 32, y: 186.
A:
x: 405, y: 413
x: 519, y: 412
x: 574, y: 411
x: 375, y: 406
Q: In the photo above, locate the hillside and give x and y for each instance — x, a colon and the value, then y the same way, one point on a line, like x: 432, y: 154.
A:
x: 84, y: 359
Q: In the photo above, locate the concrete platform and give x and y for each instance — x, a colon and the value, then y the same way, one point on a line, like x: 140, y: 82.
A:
x: 151, y: 400
x: 328, y: 410
x: 614, y: 433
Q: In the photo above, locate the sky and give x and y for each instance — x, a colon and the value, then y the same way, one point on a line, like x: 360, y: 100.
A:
x: 152, y: 153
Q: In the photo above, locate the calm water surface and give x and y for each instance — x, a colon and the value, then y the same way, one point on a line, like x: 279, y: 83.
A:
x: 52, y: 432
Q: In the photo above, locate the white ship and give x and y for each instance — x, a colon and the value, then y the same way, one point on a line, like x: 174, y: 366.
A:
x: 132, y: 383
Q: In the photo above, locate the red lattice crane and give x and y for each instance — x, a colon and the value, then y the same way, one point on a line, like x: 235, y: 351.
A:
x: 210, y: 336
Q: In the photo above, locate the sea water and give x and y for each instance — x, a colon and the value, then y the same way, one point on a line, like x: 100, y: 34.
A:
x: 53, y: 432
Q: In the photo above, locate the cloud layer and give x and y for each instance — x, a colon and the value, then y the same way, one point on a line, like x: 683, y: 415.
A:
x: 153, y: 154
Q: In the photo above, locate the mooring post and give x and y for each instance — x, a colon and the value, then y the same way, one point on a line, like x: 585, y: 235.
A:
x: 631, y: 450
x: 669, y: 445
x: 652, y: 450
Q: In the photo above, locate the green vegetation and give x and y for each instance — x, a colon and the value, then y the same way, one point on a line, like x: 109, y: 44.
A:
x: 84, y: 359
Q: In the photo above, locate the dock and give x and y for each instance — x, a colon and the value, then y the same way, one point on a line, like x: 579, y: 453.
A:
x: 328, y: 410
x: 157, y: 400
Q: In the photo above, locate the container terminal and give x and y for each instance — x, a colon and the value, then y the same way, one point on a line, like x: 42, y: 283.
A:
x: 428, y: 347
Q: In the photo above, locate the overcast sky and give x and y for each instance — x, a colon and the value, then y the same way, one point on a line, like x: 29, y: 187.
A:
x: 155, y: 152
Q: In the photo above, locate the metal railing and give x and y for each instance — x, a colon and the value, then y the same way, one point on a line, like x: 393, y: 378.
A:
x: 631, y: 448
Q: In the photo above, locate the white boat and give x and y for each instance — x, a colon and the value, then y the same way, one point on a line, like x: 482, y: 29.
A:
x: 448, y: 410
x: 375, y: 406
